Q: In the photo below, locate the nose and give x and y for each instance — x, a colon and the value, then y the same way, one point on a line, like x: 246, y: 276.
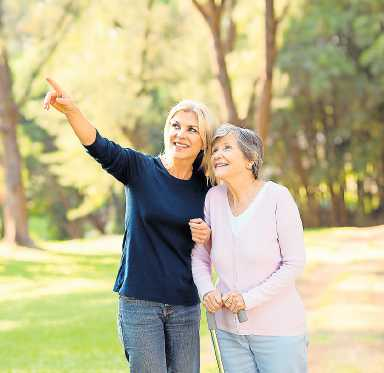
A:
x: 216, y: 155
x: 181, y: 133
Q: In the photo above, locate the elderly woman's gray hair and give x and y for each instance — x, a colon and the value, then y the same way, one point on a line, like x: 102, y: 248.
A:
x: 249, y: 143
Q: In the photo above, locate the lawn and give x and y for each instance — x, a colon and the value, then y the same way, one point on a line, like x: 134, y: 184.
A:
x: 58, y: 314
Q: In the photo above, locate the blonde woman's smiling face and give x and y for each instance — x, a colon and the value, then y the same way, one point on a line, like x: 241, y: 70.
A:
x: 183, y: 136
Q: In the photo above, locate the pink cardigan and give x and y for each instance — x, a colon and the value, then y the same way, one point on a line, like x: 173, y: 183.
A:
x: 262, y: 262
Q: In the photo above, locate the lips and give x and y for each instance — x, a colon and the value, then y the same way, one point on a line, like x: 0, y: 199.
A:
x: 221, y: 164
x: 180, y: 145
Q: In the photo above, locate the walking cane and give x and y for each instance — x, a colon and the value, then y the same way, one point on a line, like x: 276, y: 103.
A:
x: 212, y: 330
x: 241, y: 316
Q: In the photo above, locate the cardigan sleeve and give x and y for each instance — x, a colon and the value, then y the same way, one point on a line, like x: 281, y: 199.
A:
x: 291, y: 242
x: 201, y: 259
x: 122, y: 163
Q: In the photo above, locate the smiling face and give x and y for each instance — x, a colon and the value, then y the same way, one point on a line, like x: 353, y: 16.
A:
x: 228, y: 161
x: 183, y: 140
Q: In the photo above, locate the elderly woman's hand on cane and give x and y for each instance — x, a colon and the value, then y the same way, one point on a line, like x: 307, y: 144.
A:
x: 212, y: 301
x: 234, y: 301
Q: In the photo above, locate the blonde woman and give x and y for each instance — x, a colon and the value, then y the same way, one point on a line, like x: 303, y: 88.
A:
x: 257, y: 249
x: 159, y: 309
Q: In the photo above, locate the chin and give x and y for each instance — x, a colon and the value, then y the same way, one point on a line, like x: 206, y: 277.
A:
x: 220, y: 175
x: 181, y: 155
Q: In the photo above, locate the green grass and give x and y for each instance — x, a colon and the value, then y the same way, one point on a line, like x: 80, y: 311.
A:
x: 58, y: 313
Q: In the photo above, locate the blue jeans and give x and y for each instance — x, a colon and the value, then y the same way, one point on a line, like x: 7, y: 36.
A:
x: 158, y: 337
x: 262, y: 354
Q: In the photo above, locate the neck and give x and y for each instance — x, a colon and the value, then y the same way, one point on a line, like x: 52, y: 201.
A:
x: 242, y: 189
x: 179, y: 168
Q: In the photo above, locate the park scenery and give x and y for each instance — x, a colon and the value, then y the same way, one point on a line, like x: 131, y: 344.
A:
x: 307, y: 76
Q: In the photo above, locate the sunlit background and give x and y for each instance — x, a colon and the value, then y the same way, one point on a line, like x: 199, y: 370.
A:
x: 307, y: 75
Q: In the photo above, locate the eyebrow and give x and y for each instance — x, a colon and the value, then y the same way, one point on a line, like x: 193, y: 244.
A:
x: 175, y: 121
x: 223, y: 143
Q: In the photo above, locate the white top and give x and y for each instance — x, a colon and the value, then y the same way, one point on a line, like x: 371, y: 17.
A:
x: 237, y: 222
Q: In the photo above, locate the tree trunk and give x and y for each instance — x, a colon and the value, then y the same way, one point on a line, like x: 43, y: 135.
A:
x: 334, y: 206
x: 15, y: 210
x: 98, y: 221
x: 212, y: 12
x: 360, y: 201
x: 311, y: 210
x: 342, y: 205
x: 264, y: 108
x: 212, y: 15
x: 339, y: 210
x: 223, y: 77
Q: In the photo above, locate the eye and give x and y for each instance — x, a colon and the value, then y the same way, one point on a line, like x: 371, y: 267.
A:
x: 175, y: 125
x: 227, y: 147
x: 193, y: 130
x: 214, y: 150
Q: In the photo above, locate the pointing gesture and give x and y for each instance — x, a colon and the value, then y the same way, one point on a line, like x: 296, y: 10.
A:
x: 58, y: 99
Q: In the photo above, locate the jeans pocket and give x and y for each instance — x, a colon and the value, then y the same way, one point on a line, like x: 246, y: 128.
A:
x: 127, y: 299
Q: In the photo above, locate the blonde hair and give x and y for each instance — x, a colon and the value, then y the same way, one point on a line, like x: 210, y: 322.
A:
x: 206, y: 122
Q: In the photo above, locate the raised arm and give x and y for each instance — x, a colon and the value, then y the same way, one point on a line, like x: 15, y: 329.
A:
x: 291, y: 241
x: 122, y: 163
x: 62, y: 102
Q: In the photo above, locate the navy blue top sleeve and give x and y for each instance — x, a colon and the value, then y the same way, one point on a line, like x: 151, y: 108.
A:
x: 156, y: 252
x: 122, y: 163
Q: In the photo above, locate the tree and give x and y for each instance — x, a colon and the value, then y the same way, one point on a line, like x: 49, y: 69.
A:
x: 224, y: 38
x: 15, y: 207
x: 143, y: 68
x: 15, y: 210
x: 332, y: 127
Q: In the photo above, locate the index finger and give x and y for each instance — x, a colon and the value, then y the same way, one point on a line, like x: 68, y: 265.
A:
x: 196, y: 220
x: 197, y: 226
x: 55, y: 86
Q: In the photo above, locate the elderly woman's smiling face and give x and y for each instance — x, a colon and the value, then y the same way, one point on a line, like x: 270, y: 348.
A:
x: 228, y: 161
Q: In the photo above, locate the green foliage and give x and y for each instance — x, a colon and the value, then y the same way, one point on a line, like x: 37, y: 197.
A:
x: 335, y: 101
x: 126, y: 63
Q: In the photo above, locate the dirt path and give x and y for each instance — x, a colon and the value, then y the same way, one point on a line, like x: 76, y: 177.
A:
x: 343, y: 289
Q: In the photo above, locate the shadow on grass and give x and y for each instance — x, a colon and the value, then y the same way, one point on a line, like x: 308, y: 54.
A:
x: 93, y: 266
x: 64, y: 333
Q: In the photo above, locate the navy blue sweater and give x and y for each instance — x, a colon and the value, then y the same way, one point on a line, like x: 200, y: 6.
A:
x: 157, y: 244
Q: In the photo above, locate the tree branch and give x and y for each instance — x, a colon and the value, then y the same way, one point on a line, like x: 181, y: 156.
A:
x: 203, y: 9
x: 230, y: 32
x: 252, y: 103
x: 283, y: 14
x: 64, y: 26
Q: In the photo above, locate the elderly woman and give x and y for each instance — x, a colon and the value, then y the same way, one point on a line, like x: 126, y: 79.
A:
x: 159, y: 309
x: 257, y: 250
